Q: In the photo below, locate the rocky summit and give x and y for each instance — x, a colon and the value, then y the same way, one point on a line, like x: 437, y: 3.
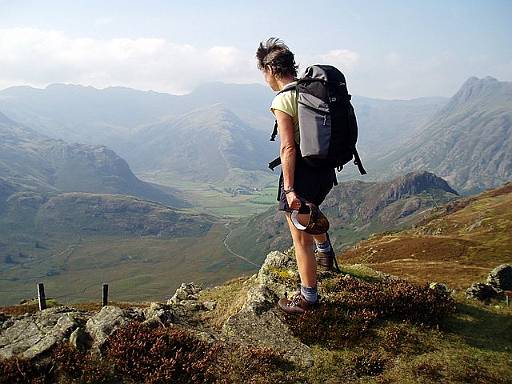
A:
x: 218, y: 326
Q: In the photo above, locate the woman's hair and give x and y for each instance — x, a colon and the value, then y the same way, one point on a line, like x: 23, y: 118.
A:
x: 276, y: 54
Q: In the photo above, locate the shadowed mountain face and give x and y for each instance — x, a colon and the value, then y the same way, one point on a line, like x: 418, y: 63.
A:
x: 88, y: 213
x: 355, y: 210
x: 31, y: 161
x: 469, y: 142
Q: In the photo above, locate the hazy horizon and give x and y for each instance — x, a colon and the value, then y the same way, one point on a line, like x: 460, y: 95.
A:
x: 389, y: 50
x: 210, y: 83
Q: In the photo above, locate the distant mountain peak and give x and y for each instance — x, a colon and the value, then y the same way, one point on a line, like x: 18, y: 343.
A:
x: 475, y: 81
x: 474, y: 89
x: 417, y: 181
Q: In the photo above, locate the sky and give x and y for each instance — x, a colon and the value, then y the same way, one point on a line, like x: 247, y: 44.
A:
x: 390, y: 49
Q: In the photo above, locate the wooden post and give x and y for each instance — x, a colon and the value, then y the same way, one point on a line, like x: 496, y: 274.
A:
x: 508, y: 295
x: 105, y: 295
x: 40, y: 296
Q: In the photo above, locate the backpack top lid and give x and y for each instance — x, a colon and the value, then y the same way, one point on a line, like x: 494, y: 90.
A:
x: 326, y: 73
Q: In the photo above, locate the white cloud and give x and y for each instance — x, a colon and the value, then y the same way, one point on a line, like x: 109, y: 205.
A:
x: 40, y: 57
x: 344, y: 59
x: 341, y: 58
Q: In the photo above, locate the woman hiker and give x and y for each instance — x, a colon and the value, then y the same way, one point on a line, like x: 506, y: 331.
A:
x: 298, y: 180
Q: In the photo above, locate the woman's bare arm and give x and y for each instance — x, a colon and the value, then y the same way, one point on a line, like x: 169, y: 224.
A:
x: 287, y: 154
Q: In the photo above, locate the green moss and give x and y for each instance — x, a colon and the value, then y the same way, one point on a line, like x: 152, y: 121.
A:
x: 283, y: 275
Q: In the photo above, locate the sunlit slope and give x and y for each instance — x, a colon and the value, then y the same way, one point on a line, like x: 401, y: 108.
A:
x: 458, y: 244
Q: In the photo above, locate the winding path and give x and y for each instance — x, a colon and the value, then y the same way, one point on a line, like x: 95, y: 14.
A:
x: 233, y: 252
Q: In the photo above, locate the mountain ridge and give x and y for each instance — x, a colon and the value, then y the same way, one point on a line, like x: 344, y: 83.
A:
x: 468, y: 142
x: 355, y: 209
x: 35, y: 162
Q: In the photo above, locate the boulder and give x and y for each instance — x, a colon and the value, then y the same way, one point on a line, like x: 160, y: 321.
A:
x: 186, y: 292
x: 106, y: 321
x: 163, y: 314
x: 80, y: 339
x: 482, y: 292
x: 441, y: 287
x: 279, y: 272
x: 259, y: 322
x: 501, y: 277
x: 31, y: 335
x: 209, y: 305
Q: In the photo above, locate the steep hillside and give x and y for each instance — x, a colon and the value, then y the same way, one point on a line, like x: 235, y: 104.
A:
x: 355, y: 209
x: 384, y: 125
x: 469, y: 142
x: 32, y: 161
x: 74, y: 241
x: 458, y: 244
x: 77, y: 212
x: 204, y: 144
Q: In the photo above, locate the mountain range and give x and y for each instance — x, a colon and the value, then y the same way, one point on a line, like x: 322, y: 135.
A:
x: 145, y: 128
x: 65, y: 195
x: 468, y: 142
x: 355, y: 210
x: 31, y: 161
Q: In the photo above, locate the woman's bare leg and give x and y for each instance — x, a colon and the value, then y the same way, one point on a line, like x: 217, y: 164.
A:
x: 306, y: 262
x: 319, y: 239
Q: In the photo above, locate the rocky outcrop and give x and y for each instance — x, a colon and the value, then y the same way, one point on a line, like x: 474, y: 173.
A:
x: 106, y: 321
x: 482, y: 292
x: 31, y: 335
x: 498, y: 281
x: 501, y: 277
x: 260, y: 322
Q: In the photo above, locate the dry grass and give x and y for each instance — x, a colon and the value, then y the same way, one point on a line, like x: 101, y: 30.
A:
x: 458, y: 245
x: 230, y: 297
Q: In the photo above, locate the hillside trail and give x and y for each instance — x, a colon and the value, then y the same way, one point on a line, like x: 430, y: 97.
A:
x: 226, y: 245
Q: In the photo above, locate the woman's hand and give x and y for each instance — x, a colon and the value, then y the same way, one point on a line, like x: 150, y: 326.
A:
x: 293, y: 200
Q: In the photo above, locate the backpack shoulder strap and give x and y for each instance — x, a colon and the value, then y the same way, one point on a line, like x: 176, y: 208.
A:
x: 357, y: 161
x: 287, y: 87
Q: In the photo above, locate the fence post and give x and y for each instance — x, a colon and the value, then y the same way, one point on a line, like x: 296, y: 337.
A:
x: 508, y: 295
x: 105, y: 295
x: 40, y: 296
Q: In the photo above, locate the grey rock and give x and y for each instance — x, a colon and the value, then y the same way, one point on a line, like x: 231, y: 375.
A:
x: 440, y: 287
x: 259, y: 299
x: 80, y: 339
x: 160, y: 313
x: 266, y: 330
x: 258, y: 323
x: 209, y: 305
x: 105, y: 322
x: 187, y: 291
x: 279, y: 272
x: 31, y: 335
x: 482, y: 292
x: 501, y: 277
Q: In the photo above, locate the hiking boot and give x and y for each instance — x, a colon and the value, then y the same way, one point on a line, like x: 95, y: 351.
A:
x: 297, y: 305
x: 327, y: 260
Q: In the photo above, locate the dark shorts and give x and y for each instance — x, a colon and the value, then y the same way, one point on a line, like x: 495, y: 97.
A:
x: 311, y: 184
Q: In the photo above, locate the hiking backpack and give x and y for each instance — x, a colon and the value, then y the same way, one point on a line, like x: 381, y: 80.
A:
x: 327, y: 121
